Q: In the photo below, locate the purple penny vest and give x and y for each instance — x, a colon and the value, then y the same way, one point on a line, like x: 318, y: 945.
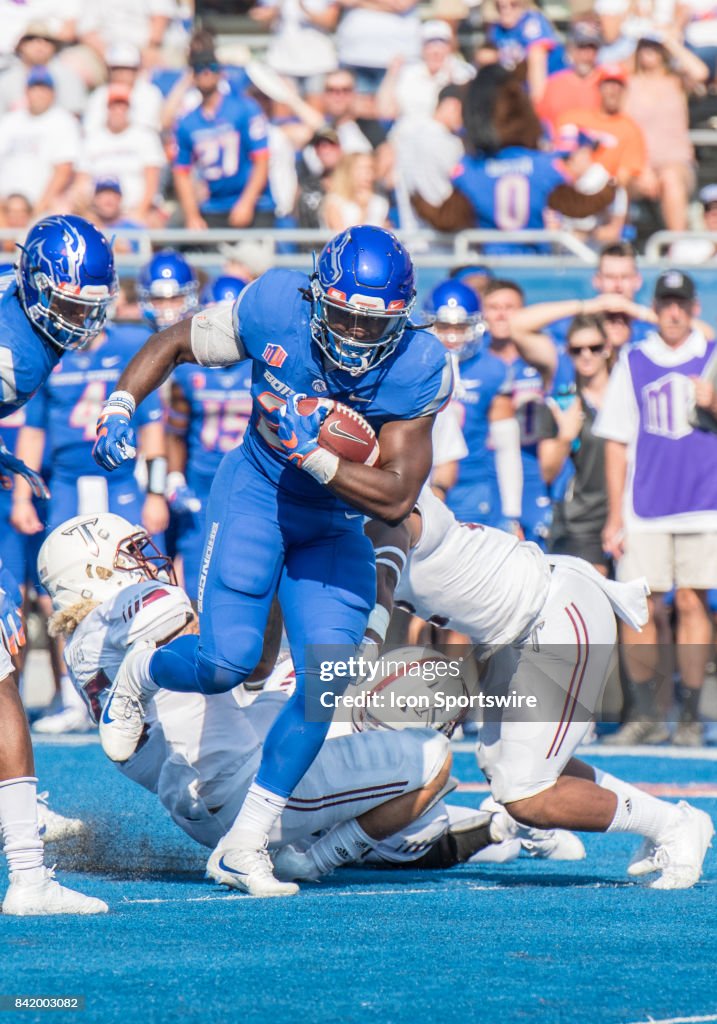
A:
x: 675, y: 466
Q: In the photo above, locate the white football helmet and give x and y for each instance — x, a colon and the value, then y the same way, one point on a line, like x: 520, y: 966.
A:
x: 93, y: 557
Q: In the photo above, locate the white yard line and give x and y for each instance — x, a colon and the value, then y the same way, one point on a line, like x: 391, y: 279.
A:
x: 676, y: 1020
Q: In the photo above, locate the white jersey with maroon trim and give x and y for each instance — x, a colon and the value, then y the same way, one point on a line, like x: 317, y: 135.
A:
x: 150, y: 610
x: 474, y: 579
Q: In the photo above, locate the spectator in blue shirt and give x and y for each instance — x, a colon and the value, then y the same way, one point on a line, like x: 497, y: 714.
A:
x: 221, y: 167
x: 523, y: 34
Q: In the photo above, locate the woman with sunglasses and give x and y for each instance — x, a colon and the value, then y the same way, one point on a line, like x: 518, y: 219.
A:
x: 580, y: 516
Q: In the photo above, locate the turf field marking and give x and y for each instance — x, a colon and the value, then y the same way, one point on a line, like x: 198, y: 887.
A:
x: 676, y: 1020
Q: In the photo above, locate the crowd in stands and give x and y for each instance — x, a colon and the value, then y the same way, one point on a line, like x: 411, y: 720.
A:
x: 356, y: 110
x: 451, y: 116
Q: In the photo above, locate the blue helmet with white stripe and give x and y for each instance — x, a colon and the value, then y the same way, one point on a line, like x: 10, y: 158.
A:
x: 458, y: 322
x: 363, y: 292
x: 66, y: 280
x: 168, y: 289
x: 222, y: 289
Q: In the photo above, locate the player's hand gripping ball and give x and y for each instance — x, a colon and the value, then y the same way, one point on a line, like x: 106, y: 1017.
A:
x: 344, y: 432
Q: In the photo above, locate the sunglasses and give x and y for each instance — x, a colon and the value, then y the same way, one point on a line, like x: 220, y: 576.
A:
x: 575, y: 350
x: 200, y: 68
x: 339, y: 88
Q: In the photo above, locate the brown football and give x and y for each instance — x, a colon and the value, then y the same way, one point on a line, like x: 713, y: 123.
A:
x: 345, y: 432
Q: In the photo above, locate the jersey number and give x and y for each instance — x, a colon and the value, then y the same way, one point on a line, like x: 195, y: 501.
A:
x: 218, y: 156
x: 225, y: 423
x: 512, y: 202
x: 87, y: 411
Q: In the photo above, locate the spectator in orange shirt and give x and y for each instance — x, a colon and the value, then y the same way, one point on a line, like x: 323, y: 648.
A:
x: 576, y: 86
x: 622, y: 150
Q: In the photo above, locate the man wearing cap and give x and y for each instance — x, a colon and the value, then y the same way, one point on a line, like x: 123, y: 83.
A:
x: 621, y: 150
x: 225, y: 143
x: 131, y: 154
x: 576, y: 86
x: 413, y: 89
x: 39, y: 46
x: 38, y: 146
x: 124, y: 64
x: 699, y: 250
x: 106, y: 213
x: 662, y: 501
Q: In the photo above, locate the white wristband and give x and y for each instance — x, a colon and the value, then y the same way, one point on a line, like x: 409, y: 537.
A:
x: 124, y: 400
x: 175, y: 480
x: 378, y: 621
x: 322, y: 465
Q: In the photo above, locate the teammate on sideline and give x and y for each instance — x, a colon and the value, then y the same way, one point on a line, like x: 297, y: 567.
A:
x: 344, y: 332
x: 546, y: 628
x: 65, y: 281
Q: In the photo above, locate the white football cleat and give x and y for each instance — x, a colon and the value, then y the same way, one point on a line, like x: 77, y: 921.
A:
x: 45, y: 896
x: 292, y: 865
x: 53, y: 826
x: 122, y: 719
x: 545, y: 844
x: 71, y: 719
x: 551, y: 844
x: 250, y: 871
x: 497, y: 853
x: 643, y: 860
x: 680, y: 855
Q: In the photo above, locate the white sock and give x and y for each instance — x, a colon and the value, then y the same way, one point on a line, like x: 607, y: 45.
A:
x: 637, y: 811
x: 18, y: 822
x: 258, y: 815
x: 342, y: 844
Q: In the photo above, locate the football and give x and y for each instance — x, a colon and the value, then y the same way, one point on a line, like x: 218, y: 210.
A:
x: 344, y: 432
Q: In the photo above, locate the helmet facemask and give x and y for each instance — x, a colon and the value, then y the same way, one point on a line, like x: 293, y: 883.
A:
x: 70, y: 317
x: 139, y: 552
x: 459, y: 331
x: 355, y: 335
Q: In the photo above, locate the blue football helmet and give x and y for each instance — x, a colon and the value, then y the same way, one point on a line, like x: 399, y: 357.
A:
x: 222, y: 289
x: 66, y: 280
x: 458, y: 322
x: 167, y: 278
x: 363, y: 293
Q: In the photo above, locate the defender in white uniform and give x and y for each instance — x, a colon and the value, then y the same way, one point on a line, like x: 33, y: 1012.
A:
x: 542, y: 626
x: 112, y: 593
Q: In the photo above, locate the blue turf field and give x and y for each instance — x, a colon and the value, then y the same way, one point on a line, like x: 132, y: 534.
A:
x: 528, y: 941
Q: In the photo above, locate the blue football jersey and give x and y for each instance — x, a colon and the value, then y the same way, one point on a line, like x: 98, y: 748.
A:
x: 220, y: 404
x: 26, y: 358
x: 272, y: 319
x: 481, y: 378
x: 69, y: 404
x: 221, y: 150
x: 509, y: 191
x: 532, y: 29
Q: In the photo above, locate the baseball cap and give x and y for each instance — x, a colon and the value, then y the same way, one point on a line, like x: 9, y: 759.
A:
x: 612, y: 73
x: 326, y: 134
x: 39, y: 30
x: 585, y: 33
x: 118, y: 94
x: 123, y: 55
x: 108, y: 185
x: 708, y: 195
x: 39, y: 75
x: 673, y: 284
x: 436, y: 30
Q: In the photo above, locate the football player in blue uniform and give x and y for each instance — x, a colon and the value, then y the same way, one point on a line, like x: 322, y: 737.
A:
x: 64, y: 284
x: 209, y: 411
x: 285, y: 514
x: 488, y: 482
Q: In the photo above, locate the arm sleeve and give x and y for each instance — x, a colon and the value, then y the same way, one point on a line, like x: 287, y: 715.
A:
x: 505, y: 439
x: 215, y: 342
x: 618, y: 419
x: 155, y: 612
x: 448, y: 442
